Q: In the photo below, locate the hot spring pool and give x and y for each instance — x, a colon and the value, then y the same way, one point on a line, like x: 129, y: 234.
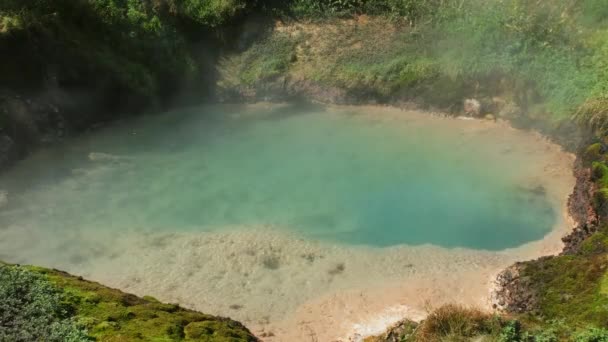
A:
x: 341, y: 177
x: 327, y: 177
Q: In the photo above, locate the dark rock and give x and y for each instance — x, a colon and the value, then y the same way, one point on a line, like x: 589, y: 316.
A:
x: 514, y: 293
x: 271, y: 262
x: 581, y: 208
x: 266, y: 334
x: 339, y: 268
x: 539, y: 190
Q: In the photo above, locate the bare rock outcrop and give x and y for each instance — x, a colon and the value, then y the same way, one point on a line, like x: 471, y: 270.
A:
x: 580, y: 205
x: 514, y: 292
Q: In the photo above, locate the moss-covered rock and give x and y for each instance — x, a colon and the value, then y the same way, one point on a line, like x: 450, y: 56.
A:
x: 596, y: 244
x: 32, y: 309
x: 111, y: 315
x: 599, y: 173
x: 592, y: 153
x: 213, y: 330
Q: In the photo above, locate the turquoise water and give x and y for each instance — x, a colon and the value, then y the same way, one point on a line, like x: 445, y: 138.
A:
x: 325, y: 175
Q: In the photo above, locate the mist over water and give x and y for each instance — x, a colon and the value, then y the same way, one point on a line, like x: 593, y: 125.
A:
x: 339, y: 176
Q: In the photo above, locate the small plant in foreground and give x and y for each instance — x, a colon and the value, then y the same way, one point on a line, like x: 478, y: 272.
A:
x: 592, y: 335
x: 456, y: 322
x: 31, y: 309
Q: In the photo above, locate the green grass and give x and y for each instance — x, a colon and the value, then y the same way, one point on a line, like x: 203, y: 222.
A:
x: 452, y: 323
x: 569, y: 289
x: 548, y: 57
x: 573, y: 289
x: 266, y: 59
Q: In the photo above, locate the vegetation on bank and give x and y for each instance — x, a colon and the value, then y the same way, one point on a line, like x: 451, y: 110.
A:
x: 137, y: 47
x: 552, y: 54
x: 38, y: 304
x: 68, y: 65
x: 548, y: 58
x: 454, y: 324
x: 31, y: 309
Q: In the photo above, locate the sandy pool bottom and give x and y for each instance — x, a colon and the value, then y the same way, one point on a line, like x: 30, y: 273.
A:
x: 287, y: 288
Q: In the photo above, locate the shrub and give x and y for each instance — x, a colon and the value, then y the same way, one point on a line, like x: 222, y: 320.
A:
x: 122, y: 46
x: 31, y: 309
x: 592, y: 335
x: 209, y: 12
x: 412, y: 10
x: 511, y: 332
x: 453, y: 322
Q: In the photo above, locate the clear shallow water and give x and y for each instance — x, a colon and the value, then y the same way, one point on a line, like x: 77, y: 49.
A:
x: 338, y: 177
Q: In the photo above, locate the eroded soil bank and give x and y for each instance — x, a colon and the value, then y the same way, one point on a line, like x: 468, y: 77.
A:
x: 288, y: 288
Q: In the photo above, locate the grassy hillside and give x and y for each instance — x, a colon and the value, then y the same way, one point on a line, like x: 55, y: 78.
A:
x: 38, y: 304
x: 547, y: 58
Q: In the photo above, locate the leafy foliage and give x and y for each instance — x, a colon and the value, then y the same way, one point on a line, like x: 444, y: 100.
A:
x: 592, y: 335
x: 130, y: 52
x: 548, y: 57
x: 31, y: 309
x: 412, y: 10
x: 212, y: 12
